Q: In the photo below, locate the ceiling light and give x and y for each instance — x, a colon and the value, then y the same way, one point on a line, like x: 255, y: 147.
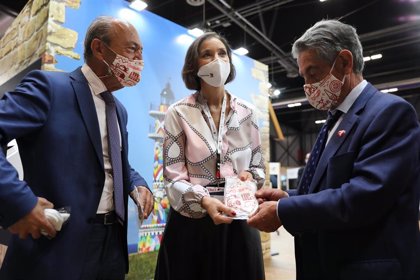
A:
x: 196, y: 32
x: 387, y: 90
x: 320, y: 121
x: 195, y: 2
x: 372, y: 57
x: 241, y: 51
x: 409, y: 18
x: 322, y: 0
x: 269, y: 85
x: 184, y: 39
x: 376, y: 56
x: 276, y: 92
x: 138, y: 5
x: 273, y: 92
x: 297, y: 104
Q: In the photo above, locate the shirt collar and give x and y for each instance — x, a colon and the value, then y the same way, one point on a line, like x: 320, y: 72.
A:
x: 351, y: 98
x: 96, y: 85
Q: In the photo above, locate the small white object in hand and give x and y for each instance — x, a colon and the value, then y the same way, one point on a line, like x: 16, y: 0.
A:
x: 57, y: 219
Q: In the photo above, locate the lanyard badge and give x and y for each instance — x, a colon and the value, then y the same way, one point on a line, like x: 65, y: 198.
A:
x: 217, y: 166
x: 217, y: 137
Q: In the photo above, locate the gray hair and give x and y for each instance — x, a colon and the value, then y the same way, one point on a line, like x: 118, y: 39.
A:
x: 99, y: 28
x: 328, y: 37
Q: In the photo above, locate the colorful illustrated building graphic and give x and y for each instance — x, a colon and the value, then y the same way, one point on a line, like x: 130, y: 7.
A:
x: 150, y: 233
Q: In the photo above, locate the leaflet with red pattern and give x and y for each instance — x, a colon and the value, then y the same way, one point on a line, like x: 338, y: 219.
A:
x: 240, y: 195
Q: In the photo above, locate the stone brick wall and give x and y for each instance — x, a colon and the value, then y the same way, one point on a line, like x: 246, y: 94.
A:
x: 24, y: 41
x: 261, y: 101
x: 60, y: 40
x: 37, y: 33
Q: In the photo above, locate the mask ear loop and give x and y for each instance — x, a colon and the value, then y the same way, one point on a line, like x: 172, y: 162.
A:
x: 109, y: 71
x: 109, y: 68
x: 332, y: 67
x: 106, y: 63
x: 329, y: 73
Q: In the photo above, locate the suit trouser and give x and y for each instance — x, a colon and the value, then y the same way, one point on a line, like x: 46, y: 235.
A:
x: 105, y: 257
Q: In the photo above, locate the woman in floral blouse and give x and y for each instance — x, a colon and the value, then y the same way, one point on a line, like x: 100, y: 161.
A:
x: 210, y: 135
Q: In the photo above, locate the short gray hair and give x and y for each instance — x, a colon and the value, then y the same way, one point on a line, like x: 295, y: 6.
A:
x: 99, y: 28
x: 328, y: 37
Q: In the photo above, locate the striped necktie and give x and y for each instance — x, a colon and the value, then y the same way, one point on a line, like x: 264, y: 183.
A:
x: 316, y: 152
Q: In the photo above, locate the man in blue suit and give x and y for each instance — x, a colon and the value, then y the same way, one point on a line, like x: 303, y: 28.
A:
x: 60, y: 123
x: 354, y: 215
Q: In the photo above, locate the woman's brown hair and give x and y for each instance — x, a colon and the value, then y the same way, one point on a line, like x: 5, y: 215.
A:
x: 190, y: 69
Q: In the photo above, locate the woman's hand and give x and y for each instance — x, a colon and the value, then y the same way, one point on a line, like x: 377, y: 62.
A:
x: 245, y: 176
x: 218, y: 212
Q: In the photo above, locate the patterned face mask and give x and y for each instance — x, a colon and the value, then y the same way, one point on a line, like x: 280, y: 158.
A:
x: 324, y: 94
x: 127, y: 71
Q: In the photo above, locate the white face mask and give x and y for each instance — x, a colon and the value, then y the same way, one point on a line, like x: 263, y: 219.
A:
x: 324, y: 94
x: 215, y: 73
x: 127, y: 71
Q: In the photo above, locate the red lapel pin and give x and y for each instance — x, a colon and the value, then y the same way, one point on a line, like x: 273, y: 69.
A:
x: 341, y: 133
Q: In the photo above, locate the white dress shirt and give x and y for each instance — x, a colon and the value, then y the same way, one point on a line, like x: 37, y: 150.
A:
x: 346, y: 105
x: 96, y: 86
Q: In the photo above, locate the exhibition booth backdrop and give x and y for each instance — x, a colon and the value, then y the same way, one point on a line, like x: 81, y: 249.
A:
x: 52, y: 31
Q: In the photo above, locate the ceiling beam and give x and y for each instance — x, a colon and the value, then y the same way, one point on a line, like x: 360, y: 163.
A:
x: 249, y: 10
x: 282, y: 57
x: 394, y: 30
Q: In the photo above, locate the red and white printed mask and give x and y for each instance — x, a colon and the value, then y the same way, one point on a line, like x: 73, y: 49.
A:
x: 127, y: 71
x: 324, y: 94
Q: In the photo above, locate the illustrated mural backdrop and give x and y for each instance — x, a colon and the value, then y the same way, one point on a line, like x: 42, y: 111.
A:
x: 165, y: 46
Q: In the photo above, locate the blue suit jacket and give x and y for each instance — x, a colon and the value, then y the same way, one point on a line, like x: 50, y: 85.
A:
x: 53, y: 117
x: 359, y: 220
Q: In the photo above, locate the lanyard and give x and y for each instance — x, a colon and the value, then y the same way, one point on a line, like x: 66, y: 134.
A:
x: 217, y: 136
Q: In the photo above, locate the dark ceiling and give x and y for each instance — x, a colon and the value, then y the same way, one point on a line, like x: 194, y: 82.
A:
x: 267, y: 28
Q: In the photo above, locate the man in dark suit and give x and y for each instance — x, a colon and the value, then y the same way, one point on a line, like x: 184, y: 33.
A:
x: 60, y: 123
x: 354, y: 216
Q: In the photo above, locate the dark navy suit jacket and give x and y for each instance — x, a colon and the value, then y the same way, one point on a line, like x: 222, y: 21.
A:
x: 53, y: 118
x: 359, y: 220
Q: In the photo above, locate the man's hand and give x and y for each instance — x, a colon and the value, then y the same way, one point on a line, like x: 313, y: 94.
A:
x: 266, y: 218
x: 268, y: 194
x: 34, y: 222
x: 144, y: 201
x: 218, y: 212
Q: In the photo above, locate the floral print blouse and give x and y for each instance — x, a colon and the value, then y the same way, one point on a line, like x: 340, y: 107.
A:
x: 190, y: 151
